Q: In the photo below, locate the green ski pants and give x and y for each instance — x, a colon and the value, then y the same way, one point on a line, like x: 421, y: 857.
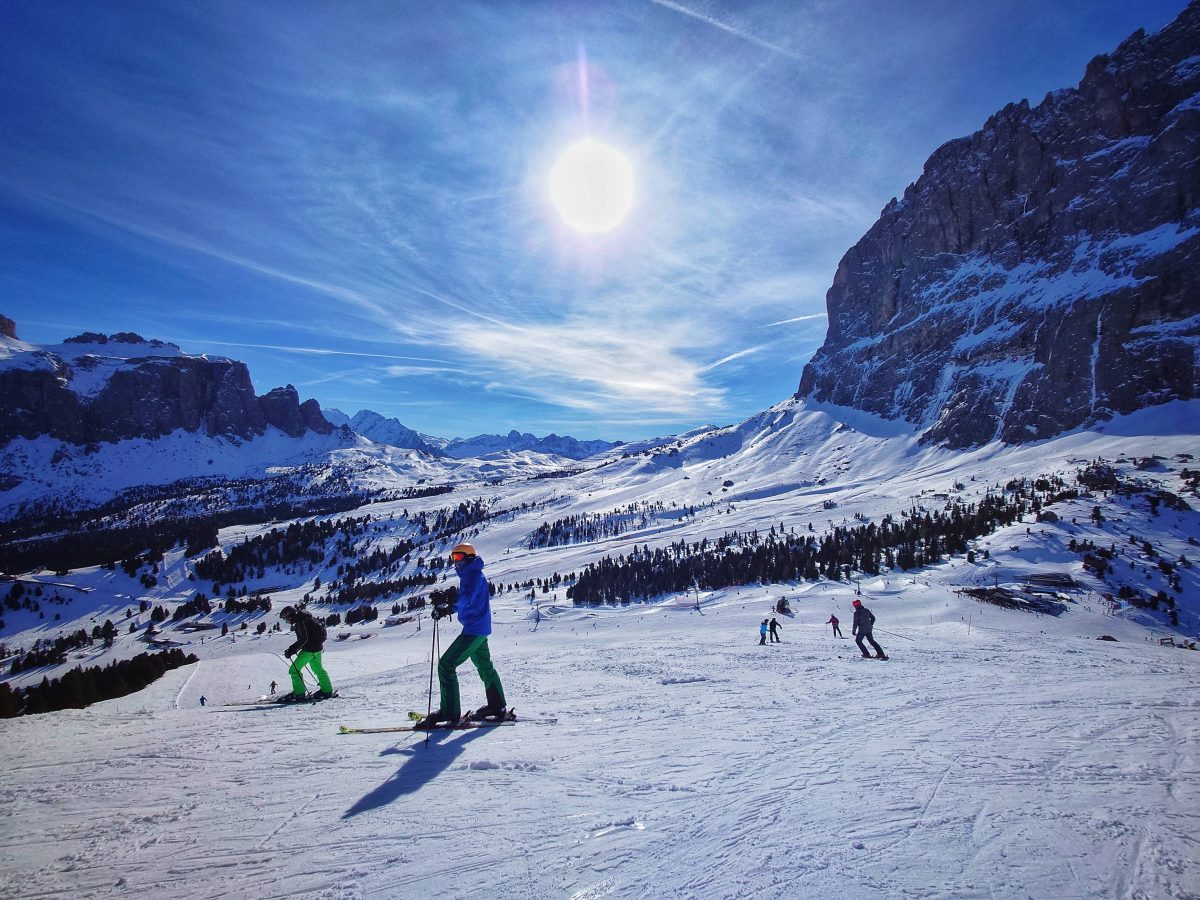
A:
x: 313, y: 661
x: 475, y: 648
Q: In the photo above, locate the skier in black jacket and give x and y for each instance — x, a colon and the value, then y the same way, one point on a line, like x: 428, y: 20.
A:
x: 864, y: 622
x: 310, y: 642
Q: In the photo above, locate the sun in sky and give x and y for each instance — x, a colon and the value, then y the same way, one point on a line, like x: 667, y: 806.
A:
x: 591, y: 185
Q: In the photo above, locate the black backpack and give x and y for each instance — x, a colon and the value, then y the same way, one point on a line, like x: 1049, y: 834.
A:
x: 317, y: 626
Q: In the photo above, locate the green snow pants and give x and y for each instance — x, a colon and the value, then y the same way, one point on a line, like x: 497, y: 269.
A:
x: 475, y: 648
x: 313, y: 661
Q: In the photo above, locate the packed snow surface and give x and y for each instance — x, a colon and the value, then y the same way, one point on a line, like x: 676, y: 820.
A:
x: 994, y: 754
x: 997, y: 753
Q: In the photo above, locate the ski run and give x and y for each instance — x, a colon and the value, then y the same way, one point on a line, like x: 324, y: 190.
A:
x: 999, y: 753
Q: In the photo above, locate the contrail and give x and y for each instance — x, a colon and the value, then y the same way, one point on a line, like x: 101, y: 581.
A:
x: 717, y: 23
x: 313, y: 351
x: 731, y: 357
x: 798, y: 319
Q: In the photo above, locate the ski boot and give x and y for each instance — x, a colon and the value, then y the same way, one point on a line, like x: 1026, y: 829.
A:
x: 434, y: 719
x: 489, y: 713
x: 292, y: 698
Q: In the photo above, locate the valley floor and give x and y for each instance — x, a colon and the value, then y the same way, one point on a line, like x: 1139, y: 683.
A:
x: 997, y: 754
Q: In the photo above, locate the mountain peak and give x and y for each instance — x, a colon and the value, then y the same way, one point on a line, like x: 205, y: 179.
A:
x: 1040, y: 275
x: 96, y: 388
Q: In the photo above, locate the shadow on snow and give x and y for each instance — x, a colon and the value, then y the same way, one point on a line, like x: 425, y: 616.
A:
x: 422, y: 766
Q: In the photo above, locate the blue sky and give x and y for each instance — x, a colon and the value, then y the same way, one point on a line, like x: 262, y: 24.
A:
x: 352, y: 197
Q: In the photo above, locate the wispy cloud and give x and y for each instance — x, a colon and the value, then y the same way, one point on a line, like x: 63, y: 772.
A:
x: 727, y: 28
x: 597, y: 369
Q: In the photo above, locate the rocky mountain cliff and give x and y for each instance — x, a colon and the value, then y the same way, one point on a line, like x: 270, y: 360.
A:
x: 97, y: 388
x: 1041, y: 274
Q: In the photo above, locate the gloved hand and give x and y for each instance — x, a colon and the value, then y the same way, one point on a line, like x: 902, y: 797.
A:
x: 441, y: 610
x: 288, y: 653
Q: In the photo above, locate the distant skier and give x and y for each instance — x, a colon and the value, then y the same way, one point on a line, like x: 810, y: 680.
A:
x: 864, y: 622
x: 833, y: 620
x: 309, y: 643
x: 774, y: 630
x: 474, y: 609
x: 203, y: 700
x: 762, y: 633
x: 272, y: 687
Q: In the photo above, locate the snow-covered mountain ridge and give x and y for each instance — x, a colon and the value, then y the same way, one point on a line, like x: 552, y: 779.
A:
x: 1041, y: 273
x: 98, y: 415
x: 393, y: 432
x: 97, y: 389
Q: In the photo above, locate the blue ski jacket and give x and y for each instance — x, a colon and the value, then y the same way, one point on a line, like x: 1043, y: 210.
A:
x: 474, y: 606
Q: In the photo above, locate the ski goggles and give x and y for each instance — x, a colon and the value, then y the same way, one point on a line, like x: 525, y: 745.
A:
x: 458, y: 556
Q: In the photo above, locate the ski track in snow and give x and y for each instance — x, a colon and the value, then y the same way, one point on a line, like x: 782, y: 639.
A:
x: 687, y: 761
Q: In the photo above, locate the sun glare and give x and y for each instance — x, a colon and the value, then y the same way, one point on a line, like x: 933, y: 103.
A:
x: 591, y: 185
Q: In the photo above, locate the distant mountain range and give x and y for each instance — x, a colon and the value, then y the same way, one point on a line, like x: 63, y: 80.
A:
x: 394, y: 433
x: 96, y: 388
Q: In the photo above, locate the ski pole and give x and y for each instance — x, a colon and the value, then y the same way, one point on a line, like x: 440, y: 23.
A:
x: 893, y: 634
x: 433, y: 653
x: 432, y: 657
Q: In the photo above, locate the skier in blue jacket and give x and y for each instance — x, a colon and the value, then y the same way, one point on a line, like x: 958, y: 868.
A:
x: 474, y: 611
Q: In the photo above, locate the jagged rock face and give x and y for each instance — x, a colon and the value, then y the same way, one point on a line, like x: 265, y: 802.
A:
x: 1041, y: 275
x: 97, y: 389
x: 8, y: 328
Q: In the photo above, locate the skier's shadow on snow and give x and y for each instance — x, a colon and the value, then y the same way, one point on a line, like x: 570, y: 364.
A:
x: 422, y: 766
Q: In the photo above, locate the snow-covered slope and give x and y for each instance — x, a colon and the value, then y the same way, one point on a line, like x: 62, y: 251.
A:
x: 999, y: 752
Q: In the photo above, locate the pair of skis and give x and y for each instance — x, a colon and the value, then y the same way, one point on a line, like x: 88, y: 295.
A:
x: 463, y: 724
x: 281, y: 700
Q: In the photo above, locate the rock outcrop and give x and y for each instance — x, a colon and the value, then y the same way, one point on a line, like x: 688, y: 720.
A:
x: 1041, y: 274
x: 96, y: 389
